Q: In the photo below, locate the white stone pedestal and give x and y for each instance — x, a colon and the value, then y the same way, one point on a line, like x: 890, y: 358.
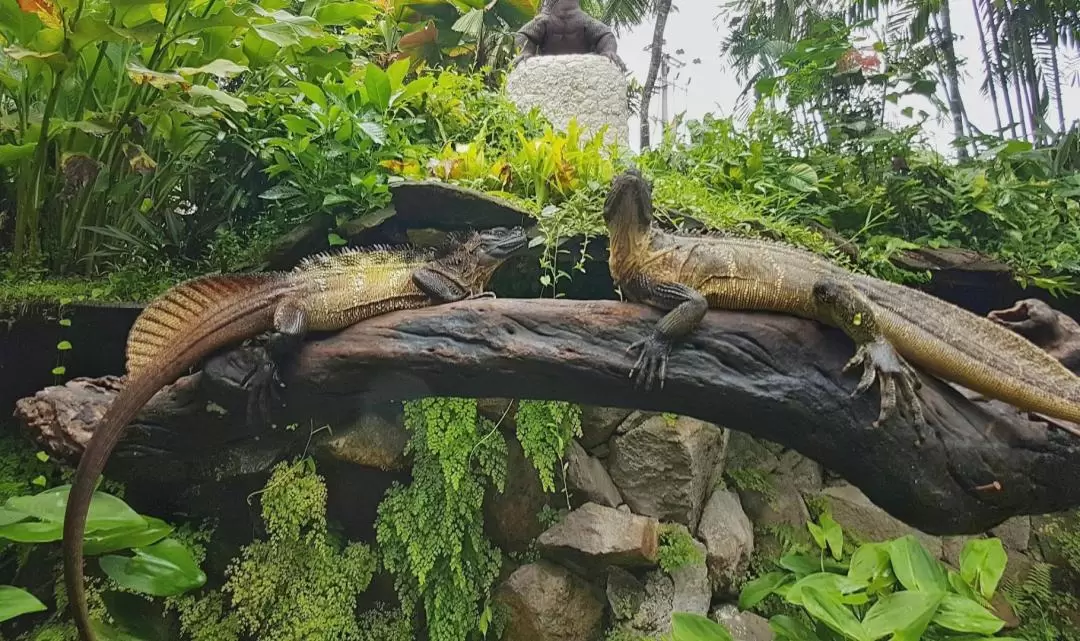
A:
x: 586, y: 86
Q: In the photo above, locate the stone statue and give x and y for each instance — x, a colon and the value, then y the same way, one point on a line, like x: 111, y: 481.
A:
x: 561, y: 28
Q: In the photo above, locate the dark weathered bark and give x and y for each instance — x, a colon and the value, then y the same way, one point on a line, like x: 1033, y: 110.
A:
x: 663, y: 8
x: 769, y: 375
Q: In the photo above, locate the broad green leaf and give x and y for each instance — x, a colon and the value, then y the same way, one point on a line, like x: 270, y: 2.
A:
x: 343, y: 13
x: 914, y: 567
x: 471, y: 24
x: 313, y: 92
x: 15, y: 153
x: 396, y: 73
x: 686, y: 626
x: 963, y: 589
x: 221, y: 68
x: 415, y: 88
x: 141, y: 75
x: 377, y: 84
x: 375, y: 131
x: 8, y: 517
x: 280, y: 192
x: 32, y: 531
x: 102, y: 541
x: 835, y: 586
x: 106, y: 511
x: 804, y: 564
x: 870, y: 560
x: 16, y: 602
x: 163, y: 569
x: 982, y: 563
x: 789, y: 629
x: 900, y: 611
x: 761, y: 587
x: 817, y: 533
x: 218, y: 96
x: 964, y: 615
x: 54, y: 59
x: 802, y: 177
x: 834, y: 536
x: 833, y: 614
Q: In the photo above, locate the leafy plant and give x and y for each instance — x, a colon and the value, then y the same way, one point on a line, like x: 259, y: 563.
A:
x: 677, y: 548
x: 884, y: 588
x: 545, y: 429
x: 431, y: 532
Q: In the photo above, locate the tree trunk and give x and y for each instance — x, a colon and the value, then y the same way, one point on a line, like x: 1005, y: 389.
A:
x: 986, y: 65
x: 1056, y: 70
x: 663, y: 8
x: 952, y: 77
x: 999, y: 64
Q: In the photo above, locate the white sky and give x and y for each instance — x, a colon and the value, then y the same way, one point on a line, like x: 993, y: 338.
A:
x: 712, y: 87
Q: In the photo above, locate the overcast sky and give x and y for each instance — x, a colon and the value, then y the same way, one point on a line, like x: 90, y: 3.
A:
x: 712, y: 87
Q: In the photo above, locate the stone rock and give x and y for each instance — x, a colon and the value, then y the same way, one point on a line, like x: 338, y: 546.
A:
x: 728, y: 537
x: 588, y: 480
x: 546, y: 602
x: 743, y: 626
x: 804, y: 474
x: 693, y: 590
x: 1017, y: 568
x: 624, y: 593
x: 858, y: 514
x: 664, y: 470
x: 511, y: 516
x: 587, y: 87
x: 305, y: 239
x: 633, y: 421
x: 599, y: 423
x: 746, y: 452
x: 646, y: 609
x: 376, y: 439
x: 1015, y: 533
x: 951, y: 547
x: 594, y: 536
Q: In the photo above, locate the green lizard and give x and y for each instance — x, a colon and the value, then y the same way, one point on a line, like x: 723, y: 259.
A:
x: 890, y: 324
x: 324, y: 293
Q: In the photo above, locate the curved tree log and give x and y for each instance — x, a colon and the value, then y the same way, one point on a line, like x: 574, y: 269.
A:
x: 772, y: 376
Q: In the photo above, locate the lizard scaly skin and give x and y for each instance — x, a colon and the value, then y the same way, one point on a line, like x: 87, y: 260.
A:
x: 324, y: 293
x: 892, y: 325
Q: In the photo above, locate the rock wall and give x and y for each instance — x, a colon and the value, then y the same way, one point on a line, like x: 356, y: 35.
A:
x: 633, y: 475
x: 583, y: 86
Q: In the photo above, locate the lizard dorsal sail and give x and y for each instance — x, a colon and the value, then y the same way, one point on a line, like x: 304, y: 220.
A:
x: 171, y: 317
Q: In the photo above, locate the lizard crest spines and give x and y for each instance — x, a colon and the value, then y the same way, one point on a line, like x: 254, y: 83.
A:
x: 360, y: 256
x: 172, y: 315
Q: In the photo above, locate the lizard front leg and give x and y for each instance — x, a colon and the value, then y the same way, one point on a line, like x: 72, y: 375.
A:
x: 442, y: 288
x: 290, y: 327
x: 687, y: 307
x: 852, y: 312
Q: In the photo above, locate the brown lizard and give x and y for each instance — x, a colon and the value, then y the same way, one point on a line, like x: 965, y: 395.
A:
x: 325, y: 292
x: 891, y: 324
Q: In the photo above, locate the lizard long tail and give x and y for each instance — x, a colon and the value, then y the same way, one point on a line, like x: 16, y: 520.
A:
x: 976, y: 352
x: 171, y: 335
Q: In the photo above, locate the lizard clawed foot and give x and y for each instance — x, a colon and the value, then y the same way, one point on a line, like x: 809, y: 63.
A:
x: 651, y: 365
x: 880, y: 360
x: 265, y: 392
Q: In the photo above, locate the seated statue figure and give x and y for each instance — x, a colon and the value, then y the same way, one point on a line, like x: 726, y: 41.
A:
x: 561, y: 28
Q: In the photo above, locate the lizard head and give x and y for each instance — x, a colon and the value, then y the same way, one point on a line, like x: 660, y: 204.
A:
x: 629, y: 201
x: 475, y: 256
